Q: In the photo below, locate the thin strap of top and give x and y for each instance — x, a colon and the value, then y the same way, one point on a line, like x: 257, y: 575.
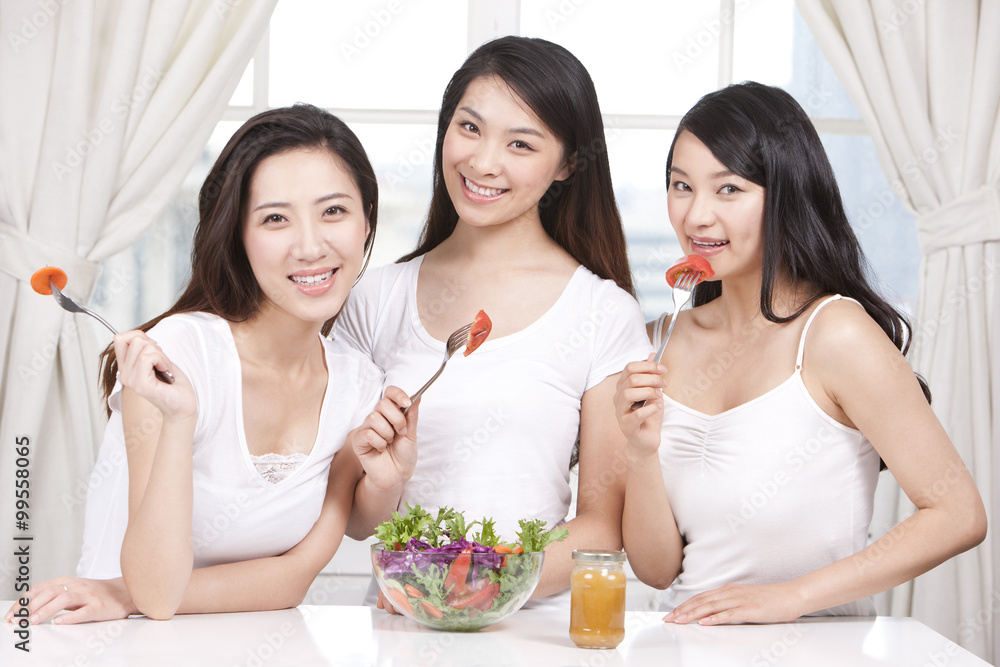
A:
x: 805, y: 330
x: 658, y: 330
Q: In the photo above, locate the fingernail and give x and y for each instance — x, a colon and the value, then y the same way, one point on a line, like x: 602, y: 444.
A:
x: 57, y: 620
x: 681, y: 618
x: 33, y: 620
x: 669, y: 617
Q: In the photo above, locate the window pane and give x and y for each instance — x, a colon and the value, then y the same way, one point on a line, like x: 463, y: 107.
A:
x: 243, y: 95
x: 888, y: 233
x: 367, y: 54
x: 773, y: 45
x: 645, y: 56
x: 638, y: 164
x: 403, y: 159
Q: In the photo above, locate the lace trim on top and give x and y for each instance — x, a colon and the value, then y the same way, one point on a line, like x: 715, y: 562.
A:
x: 276, y: 467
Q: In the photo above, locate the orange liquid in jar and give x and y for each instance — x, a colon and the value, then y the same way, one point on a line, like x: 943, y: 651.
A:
x: 597, y: 612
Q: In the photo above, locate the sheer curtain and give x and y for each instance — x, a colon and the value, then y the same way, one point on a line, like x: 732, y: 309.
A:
x: 106, y: 106
x: 923, y: 75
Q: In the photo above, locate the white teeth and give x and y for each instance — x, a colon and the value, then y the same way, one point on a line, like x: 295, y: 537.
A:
x: 312, y: 280
x: 716, y: 244
x: 486, y: 192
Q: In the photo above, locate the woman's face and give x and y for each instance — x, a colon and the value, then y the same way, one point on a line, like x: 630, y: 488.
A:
x: 304, y: 229
x: 498, y: 158
x: 714, y: 212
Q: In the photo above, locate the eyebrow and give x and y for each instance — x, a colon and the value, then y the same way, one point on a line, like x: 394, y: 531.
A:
x: 320, y: 200
x: 719, y: 174
x: 514, y: 130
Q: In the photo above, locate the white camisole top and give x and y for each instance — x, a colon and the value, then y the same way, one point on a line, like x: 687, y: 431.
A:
x: 766, y: 491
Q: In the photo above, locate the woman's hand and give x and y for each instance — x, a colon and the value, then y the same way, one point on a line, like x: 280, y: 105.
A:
x: 740, y: 603
x: 383, y: 603
x: 641, y: 381
x: 86, y: 600
x: 386, y: 443
x: 138, y: 358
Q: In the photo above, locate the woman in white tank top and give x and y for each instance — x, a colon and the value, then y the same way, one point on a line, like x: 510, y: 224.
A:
x: 752, y: 465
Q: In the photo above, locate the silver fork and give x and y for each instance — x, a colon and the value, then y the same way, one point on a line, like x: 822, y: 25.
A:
x: 455, y: 343
x: 72, y: 306
x: 681, y: 293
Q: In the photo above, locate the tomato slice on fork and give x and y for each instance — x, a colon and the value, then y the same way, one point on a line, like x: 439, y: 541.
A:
x: 481, y: 328
x: 690, y: 264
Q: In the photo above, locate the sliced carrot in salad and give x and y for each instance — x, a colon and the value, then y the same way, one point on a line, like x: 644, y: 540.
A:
x: 40, y: 279
x: 690, y: 264
x: 481, y: 328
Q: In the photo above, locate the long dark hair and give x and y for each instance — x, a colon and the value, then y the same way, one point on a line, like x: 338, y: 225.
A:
x: 580, y: 213
x: 222, y: 282
x: 761, y: 133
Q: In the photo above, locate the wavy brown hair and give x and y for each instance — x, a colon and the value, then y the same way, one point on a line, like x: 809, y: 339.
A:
x: 579, y: 213
x: 222, y: 282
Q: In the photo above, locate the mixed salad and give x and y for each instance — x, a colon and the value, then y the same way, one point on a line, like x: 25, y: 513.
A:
x: 435, y: 568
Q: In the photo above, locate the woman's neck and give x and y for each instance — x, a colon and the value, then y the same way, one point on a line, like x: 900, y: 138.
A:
x: 271, y: 339
x: 740, y: 301
x: 520, y: 241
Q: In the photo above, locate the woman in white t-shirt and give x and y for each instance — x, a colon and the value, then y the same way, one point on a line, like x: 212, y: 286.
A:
x: 523, y: 225
x: 753, y: 463
x: 230, y: 488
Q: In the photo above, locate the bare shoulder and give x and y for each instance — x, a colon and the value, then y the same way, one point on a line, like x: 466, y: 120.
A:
x: 845, y: 342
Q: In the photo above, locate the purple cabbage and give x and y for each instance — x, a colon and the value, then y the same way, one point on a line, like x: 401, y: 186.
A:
x: 417, y: 553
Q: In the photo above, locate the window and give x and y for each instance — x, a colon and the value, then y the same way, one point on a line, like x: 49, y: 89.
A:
x: 382, y: 66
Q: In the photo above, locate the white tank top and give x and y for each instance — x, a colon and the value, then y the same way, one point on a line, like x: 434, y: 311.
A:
x: 766, y: 491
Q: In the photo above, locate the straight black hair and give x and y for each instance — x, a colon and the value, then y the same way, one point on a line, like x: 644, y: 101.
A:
x: 222, y: 282
x: 579, y: 213
x: 761, y: 133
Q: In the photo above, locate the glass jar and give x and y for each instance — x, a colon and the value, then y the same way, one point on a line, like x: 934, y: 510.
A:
x: 597, y: 611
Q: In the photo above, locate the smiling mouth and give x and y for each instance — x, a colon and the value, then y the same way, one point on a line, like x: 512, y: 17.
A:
x: 309, y: 281
x: 481, y: 191
x: 709, y: 244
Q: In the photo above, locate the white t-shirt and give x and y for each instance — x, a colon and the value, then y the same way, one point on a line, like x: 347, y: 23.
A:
x: 497, y: 429
x: 238, y: 515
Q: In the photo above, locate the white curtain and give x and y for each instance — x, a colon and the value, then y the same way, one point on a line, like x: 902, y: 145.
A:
x: 924, y: 77
x: 105, y: 106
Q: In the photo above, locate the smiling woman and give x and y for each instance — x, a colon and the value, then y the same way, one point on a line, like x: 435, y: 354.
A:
x: 232, y: 488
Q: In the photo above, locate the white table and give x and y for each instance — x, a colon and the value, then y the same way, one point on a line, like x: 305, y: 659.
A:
x: 332, y: 635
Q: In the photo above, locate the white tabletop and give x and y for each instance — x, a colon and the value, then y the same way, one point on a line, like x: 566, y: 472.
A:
x: 334, y: 635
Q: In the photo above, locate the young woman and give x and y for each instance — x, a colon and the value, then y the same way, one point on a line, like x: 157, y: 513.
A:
x: 522, y: 224
x: 230, y: 489
x: 752, y: 466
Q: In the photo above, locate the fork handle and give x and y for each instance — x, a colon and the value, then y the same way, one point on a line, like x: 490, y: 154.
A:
x: 420, y: 392
x: 659, y: 352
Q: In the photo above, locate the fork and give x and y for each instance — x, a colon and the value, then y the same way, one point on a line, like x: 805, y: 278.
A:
x: 455, y: 343
x: 72, y: 306
x: 681, y: 293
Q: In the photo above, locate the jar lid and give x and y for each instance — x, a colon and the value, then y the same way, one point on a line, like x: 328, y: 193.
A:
x: 598, y: 556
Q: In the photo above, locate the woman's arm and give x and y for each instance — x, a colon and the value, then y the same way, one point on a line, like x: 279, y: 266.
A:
x: 385, y: 446
x: 253, y: 585
x: 597, y: 524
x: 866, y: 377
x: 649, y: 532
x: 158, y: 421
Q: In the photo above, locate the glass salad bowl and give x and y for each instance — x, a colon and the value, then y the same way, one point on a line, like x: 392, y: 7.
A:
x: 456, y: 590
